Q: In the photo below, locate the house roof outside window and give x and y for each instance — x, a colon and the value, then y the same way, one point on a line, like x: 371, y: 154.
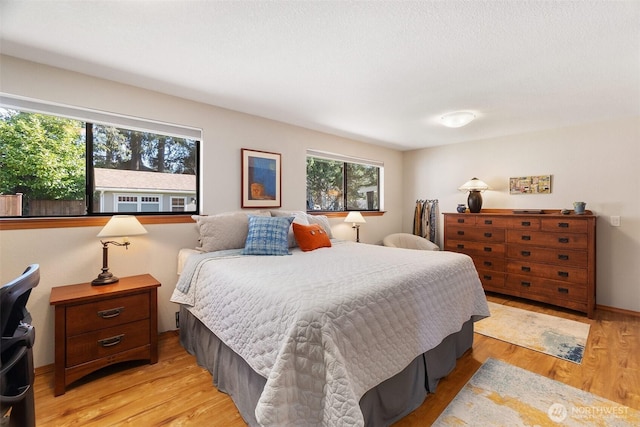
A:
x: 136, y: 181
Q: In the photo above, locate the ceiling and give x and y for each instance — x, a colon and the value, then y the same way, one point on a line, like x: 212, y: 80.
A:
x: 377, y: 71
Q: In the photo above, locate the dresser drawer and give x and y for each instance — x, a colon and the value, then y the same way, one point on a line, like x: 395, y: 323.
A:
x: 491, y: 280
x: 547, y: 287
x: 550, y: 255
x: 491, y: 221
x: 476, y: 248
x: 561, y: 273
x: 490, y: 263
x: 461, y: 219
x: 524, y: 223
x: 477, y: 234
x: 106, y: 313
x: 569, y: 225
x: 106, y: 342
x: 548, y: 239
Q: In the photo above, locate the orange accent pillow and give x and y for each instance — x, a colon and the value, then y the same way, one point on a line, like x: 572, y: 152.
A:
x: 310, y: 237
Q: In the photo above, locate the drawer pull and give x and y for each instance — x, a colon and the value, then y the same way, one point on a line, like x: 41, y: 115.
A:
x: 487, y: 263
x: 525, y: 284
x: 524, y: 268
x: 110, y: 342
x: 460, y: 246
x: 563, y: 290
x: 563, y: 224
x: 526, y: 223
x: 563, y: 274
x: 563, y: 257
x: 460, y: 233
x: 525, y: 253
x: 563, y: 240
x: 460, y: 220
x: 488, y: 221
x: 526, y: 237
x: 488, y: 234
x: 486, y: 249
x: 111, y: 313
x: 486, y: 277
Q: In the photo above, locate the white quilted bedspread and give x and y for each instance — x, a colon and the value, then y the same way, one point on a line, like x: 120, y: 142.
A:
x: 323, y: 327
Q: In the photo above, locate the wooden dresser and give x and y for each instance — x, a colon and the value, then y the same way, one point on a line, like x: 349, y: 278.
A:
x: 97, y: 326
x: 547, y: 257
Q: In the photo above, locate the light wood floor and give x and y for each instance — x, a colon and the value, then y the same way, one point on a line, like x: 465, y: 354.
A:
x: 176, y: 392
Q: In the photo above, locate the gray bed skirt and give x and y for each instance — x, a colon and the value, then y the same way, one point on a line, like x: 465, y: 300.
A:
x: 381, y: 406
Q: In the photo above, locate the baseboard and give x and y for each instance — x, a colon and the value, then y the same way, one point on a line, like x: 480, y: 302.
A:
x: 618, y: 310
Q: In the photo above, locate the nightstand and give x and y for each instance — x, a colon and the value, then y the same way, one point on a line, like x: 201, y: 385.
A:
x: 97, y: 326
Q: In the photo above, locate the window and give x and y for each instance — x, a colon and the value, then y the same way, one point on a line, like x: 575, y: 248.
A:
x: 341, y: 183
x: 54, y: 165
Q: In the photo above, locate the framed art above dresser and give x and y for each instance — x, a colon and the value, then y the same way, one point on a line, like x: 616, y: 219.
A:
x: 541, y: 255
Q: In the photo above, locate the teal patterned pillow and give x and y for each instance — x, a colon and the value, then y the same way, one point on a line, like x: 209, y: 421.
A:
x: 268, y: 236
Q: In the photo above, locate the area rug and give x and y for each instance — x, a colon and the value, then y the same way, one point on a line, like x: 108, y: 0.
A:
x: 500, y: 394
x: 562, y: 338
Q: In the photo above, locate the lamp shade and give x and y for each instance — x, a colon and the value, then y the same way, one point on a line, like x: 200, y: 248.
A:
x: 457, y: 119
x: 474, y: 184
x: 121, y: 226
x: 355, y: 217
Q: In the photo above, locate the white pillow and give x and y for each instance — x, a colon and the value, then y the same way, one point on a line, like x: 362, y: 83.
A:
x: 299, y: 217
x: 323, y: 221
x: 224, y: 231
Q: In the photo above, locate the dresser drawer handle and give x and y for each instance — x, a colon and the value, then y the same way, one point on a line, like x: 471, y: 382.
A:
x: 526, y: 223
x: 525, y: 284
x: 526, y: 237
x: 488, y: 221
x: 563, y: 257
x: 563, y: 290
x: 563, y: 224
x: 487, y: 249
x: 460, y: 220
x: 486, y: 277
x: 525, y: 253
x: 487, y: 263
x: 563, y: 240
x: 111, y: 313
x: 110, y: 342
x: 460, y: 233
x: 526, y: 269
x: 460, y: 246
x: 563, y: 274
x: 488, y: 234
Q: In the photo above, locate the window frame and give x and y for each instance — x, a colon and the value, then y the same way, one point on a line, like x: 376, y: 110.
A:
x: 85, y: 115
x: 345, y: 159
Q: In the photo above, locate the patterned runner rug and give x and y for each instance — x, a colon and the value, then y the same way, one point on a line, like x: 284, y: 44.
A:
x: 500, y: 394
x: 555, y: 336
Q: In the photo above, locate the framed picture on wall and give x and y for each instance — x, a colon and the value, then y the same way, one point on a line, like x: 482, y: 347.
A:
x: 261, y: 179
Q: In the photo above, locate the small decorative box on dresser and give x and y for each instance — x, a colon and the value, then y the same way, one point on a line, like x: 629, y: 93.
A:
x: 96, y: 326
x: 546, y: 256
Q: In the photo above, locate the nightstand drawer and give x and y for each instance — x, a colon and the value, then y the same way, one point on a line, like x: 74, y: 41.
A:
x: 106, y: 342
x: 107, y: 313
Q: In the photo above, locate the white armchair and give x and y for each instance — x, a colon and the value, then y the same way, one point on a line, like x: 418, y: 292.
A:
x: 409, y: 241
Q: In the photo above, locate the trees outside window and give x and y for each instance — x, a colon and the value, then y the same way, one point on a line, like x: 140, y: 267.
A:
x: 336, y: 185
x: 53, y: 162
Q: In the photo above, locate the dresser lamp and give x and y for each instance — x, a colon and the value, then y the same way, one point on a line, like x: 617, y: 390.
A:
x: 355, y: 218
x: 474, y: 187
x: 118, y: 226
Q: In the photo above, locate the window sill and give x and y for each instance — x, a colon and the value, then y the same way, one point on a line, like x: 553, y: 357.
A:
x: 343, y: 214
x: 89, y: 221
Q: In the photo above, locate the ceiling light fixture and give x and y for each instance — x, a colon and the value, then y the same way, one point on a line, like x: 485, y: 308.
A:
x: 457, y: 119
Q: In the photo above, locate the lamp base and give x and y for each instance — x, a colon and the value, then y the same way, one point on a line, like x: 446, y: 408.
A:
x: 104, y: 279
x: 474, y: 201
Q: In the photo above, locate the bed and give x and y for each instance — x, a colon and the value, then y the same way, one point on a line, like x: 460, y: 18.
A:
x: 341, y: 334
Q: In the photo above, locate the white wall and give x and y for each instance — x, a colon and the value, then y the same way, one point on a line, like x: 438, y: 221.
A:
x: 73, y: 255
x: 595, y: 163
